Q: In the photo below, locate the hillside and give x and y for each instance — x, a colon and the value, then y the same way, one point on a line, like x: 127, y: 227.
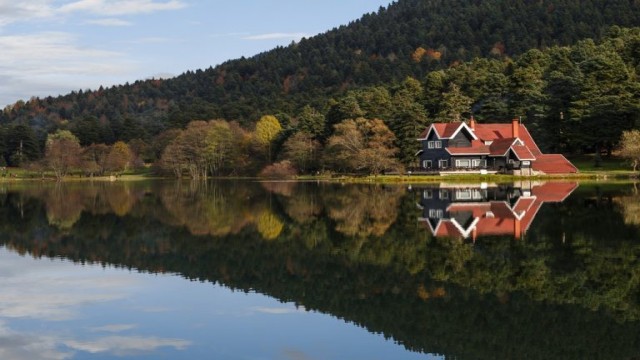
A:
x: 378, y: 48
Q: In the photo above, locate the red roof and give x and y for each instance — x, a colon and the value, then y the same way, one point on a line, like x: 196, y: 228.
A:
x: 500, y: 147
x: 553, y: 164
x: 477, y: 148
x: 500, y: 218
x: 555, y: 191
x: 522, y: 152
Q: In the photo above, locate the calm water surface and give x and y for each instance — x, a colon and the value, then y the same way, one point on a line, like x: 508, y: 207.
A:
x: 249, y: 270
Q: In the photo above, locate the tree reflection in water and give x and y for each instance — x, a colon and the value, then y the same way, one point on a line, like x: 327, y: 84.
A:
x: 566, y: 287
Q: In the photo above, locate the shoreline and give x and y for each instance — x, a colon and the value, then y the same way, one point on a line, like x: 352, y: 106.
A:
x: 605, y: 176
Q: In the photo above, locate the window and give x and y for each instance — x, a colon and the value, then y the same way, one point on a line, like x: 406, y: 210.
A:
x: 479, y: 163
x: 443, y: 163
x: 427, y: 194
x: 435, y: 144
x: 426, y: 164
x: 436, y: 213
x: 468, y: 194
x: 444, y: 194
x: 463, y: 194
x: 464, y: 163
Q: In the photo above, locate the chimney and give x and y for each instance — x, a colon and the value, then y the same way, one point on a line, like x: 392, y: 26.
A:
x: 472, y: 123
x: 517, y: 229
x: 515, y: 127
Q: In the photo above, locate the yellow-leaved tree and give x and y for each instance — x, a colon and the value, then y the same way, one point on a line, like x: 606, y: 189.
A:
x: 267, y: 130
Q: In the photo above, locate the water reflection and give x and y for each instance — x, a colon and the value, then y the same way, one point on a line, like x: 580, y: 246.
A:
x: 458, y: 210
x: 553, y: 273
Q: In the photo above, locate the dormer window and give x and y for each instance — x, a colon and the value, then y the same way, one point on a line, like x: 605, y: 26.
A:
x: 435, y: 144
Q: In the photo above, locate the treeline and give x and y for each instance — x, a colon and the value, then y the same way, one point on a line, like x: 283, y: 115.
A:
x: 410, y: 38
x: 573, y: 99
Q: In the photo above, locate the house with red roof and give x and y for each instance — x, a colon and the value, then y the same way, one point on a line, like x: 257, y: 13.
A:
x: 496, y: 147
x: 471, y: 212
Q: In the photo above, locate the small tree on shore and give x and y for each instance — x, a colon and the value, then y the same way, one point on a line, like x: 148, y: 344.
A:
x: 630, y: 147
x: 62, y: 152
x: 119, y: 158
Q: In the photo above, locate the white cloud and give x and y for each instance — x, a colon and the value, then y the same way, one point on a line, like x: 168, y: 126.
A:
x: 114, y: 328
x: 109, y: 22
x: 47, y: 63
x: 276, y: 311
x: 277, y: 36
x: 120, y: 7
x: 12, y: 11
x: 55, y: 296
x: 23, y: 346
x: 126, y: 345
x: 26, y: 346
x: 55, y: 290
x: 52, y: 52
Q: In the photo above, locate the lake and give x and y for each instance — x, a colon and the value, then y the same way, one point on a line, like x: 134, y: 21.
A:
x: 299, y: 271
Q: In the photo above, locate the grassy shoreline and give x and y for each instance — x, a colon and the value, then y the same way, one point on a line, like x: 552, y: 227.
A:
x: 612, y: 169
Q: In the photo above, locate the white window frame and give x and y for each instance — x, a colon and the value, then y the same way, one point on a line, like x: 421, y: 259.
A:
x: 427, y: 194
x: 431, y: 144
x: 438, y: 144
x: 443, y: 163
x: 460, y: 161
x: 444, y: 194
x: 427, y: 164
x: 464, y: 194
x: 436, y: 213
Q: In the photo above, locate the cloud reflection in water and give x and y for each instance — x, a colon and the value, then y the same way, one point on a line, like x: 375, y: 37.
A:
x: 55, y: 291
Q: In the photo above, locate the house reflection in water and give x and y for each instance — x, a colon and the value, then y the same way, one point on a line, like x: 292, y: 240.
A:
x: 466, y: 211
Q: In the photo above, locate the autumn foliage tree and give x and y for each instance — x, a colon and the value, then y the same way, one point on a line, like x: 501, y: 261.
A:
x: 206, y: 148
x: 267, y: 129
x: 62, y: 152
x: 302, y: 150
x: 119, y: 158
x: 362, y: 145
x: 630, y: 147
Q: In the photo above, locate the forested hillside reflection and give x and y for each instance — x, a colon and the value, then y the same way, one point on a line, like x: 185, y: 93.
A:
x: 567, y: 288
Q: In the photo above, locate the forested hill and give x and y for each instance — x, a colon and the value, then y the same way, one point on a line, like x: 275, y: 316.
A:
x: 409, y: 38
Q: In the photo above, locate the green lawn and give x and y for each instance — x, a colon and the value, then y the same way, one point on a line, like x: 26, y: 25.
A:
x: 612, y: 165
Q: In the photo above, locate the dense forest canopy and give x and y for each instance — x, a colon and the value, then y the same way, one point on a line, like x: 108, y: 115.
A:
x: 560, y: 64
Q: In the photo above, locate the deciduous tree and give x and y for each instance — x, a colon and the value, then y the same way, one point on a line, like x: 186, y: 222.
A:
x: 630, y: 147
x: 267, y: 129
x: 302, y: 150
x: 119, y: 158
x: 362, y: 145
x: 62, y: 152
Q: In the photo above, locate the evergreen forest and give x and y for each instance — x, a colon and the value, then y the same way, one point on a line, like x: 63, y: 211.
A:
x: 568, y: 69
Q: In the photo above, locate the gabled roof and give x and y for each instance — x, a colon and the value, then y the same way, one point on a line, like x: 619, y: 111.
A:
x: 493, y: 132
x: 446, y: 130
x: 500, y: 147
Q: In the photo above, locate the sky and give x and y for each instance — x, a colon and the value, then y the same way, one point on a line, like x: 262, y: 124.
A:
x: 52, y: 47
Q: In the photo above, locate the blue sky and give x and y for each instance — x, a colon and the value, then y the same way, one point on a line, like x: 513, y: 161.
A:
x: 50, y: 47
